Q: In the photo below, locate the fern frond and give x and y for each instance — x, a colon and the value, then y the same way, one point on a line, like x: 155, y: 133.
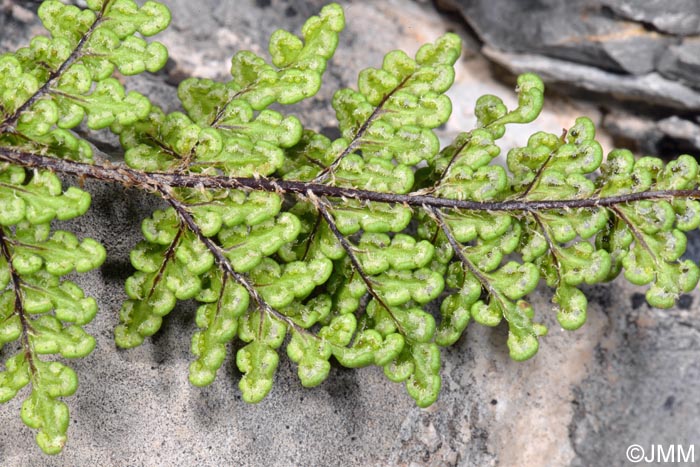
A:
x: 46, y: 90
x: 38, y: 310
x: 339, y: 249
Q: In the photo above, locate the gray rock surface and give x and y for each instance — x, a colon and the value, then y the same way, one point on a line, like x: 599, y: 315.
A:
x: 617, y: 35
x: 638, y: 56
x: 652, y: 88
x: 682, y: 61
x: 628, y: 376
x: 681, y: 17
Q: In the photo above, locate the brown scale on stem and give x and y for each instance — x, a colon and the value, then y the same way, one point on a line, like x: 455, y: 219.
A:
x: 152, y: 181
x: 320, y: 205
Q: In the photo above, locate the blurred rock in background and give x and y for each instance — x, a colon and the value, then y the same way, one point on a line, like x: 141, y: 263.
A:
x: 639, y: 59
x: 630, y: 375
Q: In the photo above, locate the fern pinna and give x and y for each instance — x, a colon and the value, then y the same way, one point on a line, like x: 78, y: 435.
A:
x: 375, y: 248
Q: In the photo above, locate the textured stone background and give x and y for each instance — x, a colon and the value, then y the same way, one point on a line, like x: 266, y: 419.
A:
x: 640, y: 59
x: 629, y: 376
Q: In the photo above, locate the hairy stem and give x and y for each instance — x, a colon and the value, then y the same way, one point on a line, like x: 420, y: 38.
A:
x: 357, y: 267
x: 537, y: 177
x: 639, y: 238
x: 222, y: 261
x: 466, y: 262
x: 454, y: 158
x: 325, y: 173
x: 312, y: 237
x: 151, y: 181
x: 56, y: 74
x: 169, y: 254
x: 554, y: 250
